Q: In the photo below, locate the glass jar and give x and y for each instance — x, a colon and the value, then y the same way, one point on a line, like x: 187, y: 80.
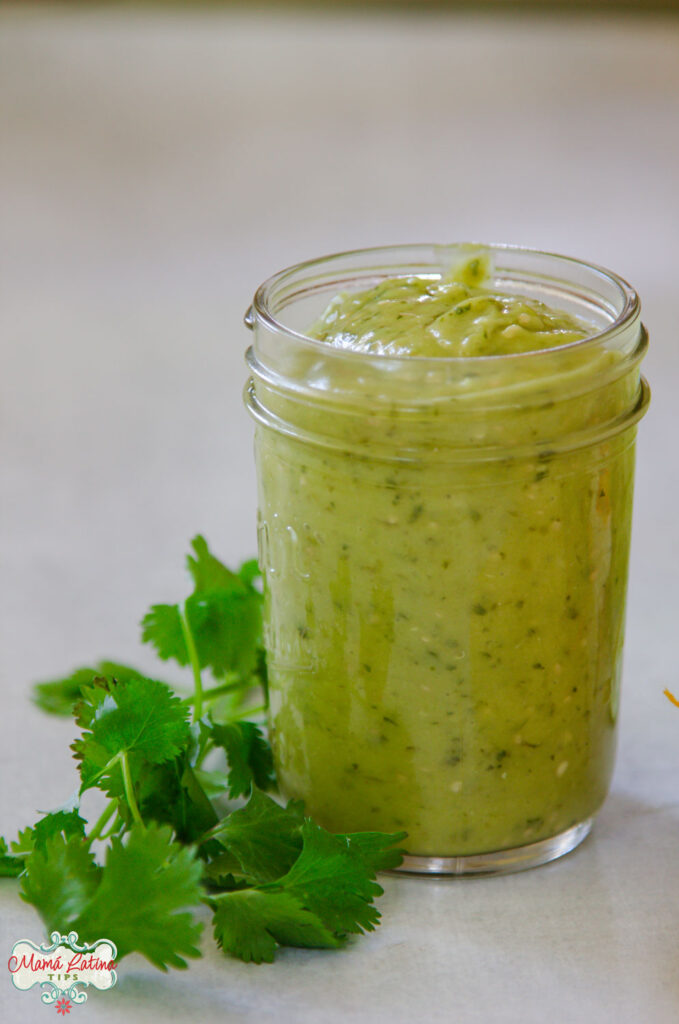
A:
x: 444, y: 543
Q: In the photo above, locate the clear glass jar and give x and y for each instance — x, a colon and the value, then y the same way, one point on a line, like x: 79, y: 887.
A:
x: 444, y: 544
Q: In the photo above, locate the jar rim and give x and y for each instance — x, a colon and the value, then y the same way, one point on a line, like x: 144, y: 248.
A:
x: 260, y: 310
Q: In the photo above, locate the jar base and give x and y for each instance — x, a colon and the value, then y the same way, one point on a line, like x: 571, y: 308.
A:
x: 501, y: 862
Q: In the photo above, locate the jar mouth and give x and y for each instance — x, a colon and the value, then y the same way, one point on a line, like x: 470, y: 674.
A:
x: 589, y: 281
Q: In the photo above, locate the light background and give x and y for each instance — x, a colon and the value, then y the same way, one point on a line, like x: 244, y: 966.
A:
x: 156, y: 166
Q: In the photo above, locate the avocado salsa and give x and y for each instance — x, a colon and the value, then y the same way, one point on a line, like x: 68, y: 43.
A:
x: 444, y: 627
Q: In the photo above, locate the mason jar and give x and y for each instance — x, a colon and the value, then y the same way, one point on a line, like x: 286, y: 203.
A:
x: 444, y: 543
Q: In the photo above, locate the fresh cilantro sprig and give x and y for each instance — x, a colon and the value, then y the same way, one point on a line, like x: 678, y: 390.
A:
x: 217, y: 627
x: 308, y: 887
x: 163, y: 844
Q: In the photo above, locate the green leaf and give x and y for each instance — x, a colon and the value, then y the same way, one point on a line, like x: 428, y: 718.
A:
x: 332, y: 878
x: 65, y: 823
x: 172, y: 794
x: 58, y: 696
x: 59, y: 881
x: 140, y: 717
x: 264, y: 838
x: 249, y: 571
x: 223, y: 613
x: 377, y: 849
x: 248, y: 754
x: 251, y: 924
x: 92, y: 697
x: 11, y: 864
x: 162, y: 627
x: 226, y: 625
x: 207, y: 571
x: 223, y: 874
x: 213, y: 783
x: 141, y: 903
x: 24, y: 843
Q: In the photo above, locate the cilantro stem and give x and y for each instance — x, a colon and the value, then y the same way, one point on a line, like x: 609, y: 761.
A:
x: 219, y: 691
x: 129, y: 789
x: 247, y: 713
x: 102, y: 771
x: 103, y: 820
x: 115, y: 827
x: 195, y: 664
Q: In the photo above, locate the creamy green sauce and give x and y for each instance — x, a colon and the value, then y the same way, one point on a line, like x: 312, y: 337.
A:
x: 456, y: 316
x: 444, y: 639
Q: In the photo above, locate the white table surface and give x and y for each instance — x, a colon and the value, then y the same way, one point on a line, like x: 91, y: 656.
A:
x: 155, y: 167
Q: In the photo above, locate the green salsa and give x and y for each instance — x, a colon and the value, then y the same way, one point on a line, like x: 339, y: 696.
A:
x: 456, y: 316
x: 445, y: 633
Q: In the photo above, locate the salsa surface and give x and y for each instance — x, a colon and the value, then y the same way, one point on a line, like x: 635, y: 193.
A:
x: 452, y: 316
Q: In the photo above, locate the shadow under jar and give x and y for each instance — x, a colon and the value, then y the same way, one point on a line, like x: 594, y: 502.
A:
x: 444, y: 543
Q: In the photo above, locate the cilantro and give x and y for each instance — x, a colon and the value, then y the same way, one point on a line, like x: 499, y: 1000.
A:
x: 271, y: 875
x: 251, y: 924
x: 62, y: 823
x: 263, y: 839
x: 207, y: 571
x: 133, y: 900
x: 227, y: 623
x: 172, y: 794
x: 60, y: 880
x: 250, y: 571
x: 377, y: 849
x: 145, y: 886
x: 66, y: 823
x: 332, y: 878
x: 11, y: 864
x: 162, y: 627
x: 326, y: 893
x: 58, y: 696
x: 222, y: 617
x: 248, y: 755
x: 139, y: 717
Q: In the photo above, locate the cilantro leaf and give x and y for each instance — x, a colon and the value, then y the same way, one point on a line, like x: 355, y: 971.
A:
x: 11, y: 864
x: 144, y: 716
x: 248, y: 754
x: 207, y: 571
x: 249, y: 571
x: 58, y: 696
x: 66, y: 823
x: 162, y: 627
x: 333, y: 879
x: 329, y: 878
x: 377, y: 849
x: 251, y: 924
x: 138, y: 716
x: 59, y: 881
x: 263, y: 838
x: 24, y: 843
x: 226, y: 625
x: 172, y: 794
x: 213, y: 783
x: 146, y: 885
x: 223, y: 614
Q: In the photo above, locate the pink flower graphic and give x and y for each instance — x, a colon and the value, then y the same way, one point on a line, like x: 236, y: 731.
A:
x: 63, y: 1006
